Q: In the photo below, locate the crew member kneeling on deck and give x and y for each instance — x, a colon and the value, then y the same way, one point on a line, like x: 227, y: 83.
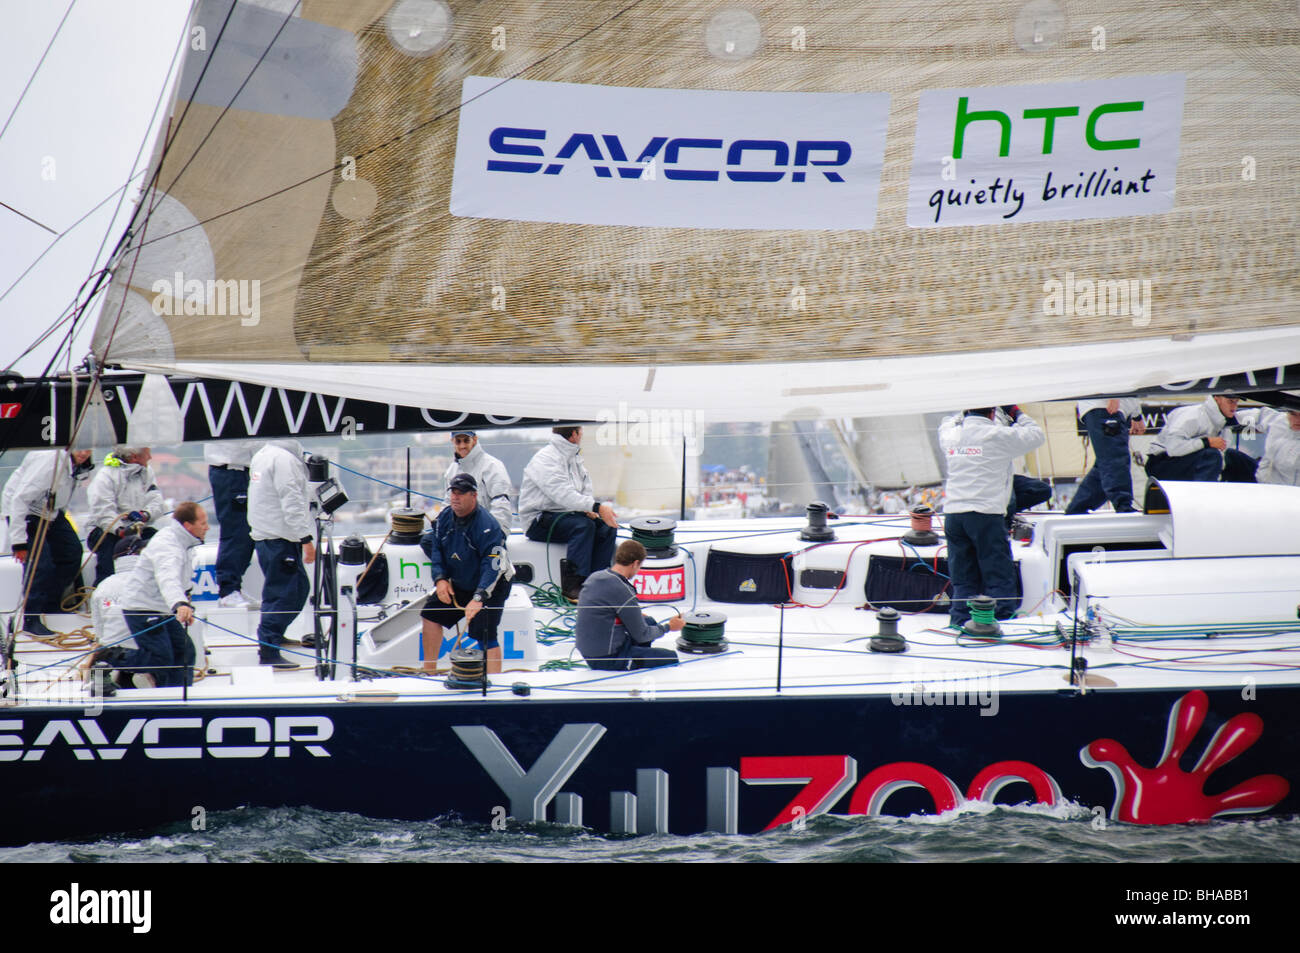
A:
x: 612, y: 633
x: 279, y: 518
x: 980, y: 455
x: 466, y: 550
x: 557, y: 505
x: 106, y: 616
x: 158, y: 585
x: 1193, y: 445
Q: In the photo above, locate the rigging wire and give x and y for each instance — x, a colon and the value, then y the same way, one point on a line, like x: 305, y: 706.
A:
x: 120, y: 193
x: 202, y: 142
x: 31, y: 79
x: 402, y: 135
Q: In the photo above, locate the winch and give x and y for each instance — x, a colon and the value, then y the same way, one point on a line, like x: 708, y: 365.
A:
x: 663, y: 572
x: 702, y: 634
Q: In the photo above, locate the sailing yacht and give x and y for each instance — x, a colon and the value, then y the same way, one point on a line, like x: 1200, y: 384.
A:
x: 791, y: 211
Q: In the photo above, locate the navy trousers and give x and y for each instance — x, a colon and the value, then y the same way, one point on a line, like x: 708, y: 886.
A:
x: 591, y: 542
x: 1110, y: 477
x: 1205, y: 465
x: 1026, y: 492
x: 57, y: 566
x: 104, y: 559
x: 235, y: 548
x: 979, y: 563
x: 284, y: 592
x: 634, y: 656
x: 164, y: 648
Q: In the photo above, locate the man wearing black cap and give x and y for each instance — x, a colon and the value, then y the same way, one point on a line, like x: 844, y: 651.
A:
x: 465, y: 549
x: 489, y: 472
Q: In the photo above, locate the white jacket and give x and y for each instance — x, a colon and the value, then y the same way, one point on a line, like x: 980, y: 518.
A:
x: 231, y: 453
x: 494, y: 486
x: 1185, y: 427
x: 121, y: 488
x: 27, y: 490
x: 555, y: 481
x: 277, y: 494
x: 980, y: 454
x: 1281, y: 460
x: 164, y: 572
x: 106, y: 606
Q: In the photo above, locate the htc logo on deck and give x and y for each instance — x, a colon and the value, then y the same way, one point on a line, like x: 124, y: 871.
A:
x: 77, y: 906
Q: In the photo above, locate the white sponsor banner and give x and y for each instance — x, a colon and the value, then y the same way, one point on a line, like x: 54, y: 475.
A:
x: 677, y: 158
x: 998, y: 154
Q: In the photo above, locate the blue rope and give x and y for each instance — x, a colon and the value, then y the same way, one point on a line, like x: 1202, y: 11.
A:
x: 366, y: 476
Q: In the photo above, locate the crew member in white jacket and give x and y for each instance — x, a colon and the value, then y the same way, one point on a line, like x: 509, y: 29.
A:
x: 1281, y: 460
x: 38, y: 492
x: 228, y: 462
x: 279, y: 517
x: 124, y: 497
x: 1193, y: 445
x: 980, y: 455
x: 106, y: 615
x: 156, y: 604
x: 557, y: 505
x: 489, y: 473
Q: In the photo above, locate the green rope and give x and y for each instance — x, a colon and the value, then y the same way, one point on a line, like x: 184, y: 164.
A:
x: 704, y: 634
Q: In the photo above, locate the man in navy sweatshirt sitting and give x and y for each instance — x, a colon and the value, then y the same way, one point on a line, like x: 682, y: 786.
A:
x: 469, y: 568
x: 612, y: 633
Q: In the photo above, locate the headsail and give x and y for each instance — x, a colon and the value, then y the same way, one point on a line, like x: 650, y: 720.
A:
x: 544, y: 207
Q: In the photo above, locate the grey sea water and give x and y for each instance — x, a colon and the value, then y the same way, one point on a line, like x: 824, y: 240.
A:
x: 971, y: 834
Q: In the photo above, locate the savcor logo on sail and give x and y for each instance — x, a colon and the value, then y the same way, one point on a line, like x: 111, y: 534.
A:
x: 529, y: 151
x: 769, y: 158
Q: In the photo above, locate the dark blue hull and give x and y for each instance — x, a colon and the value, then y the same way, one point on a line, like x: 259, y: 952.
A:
x: 741, y: 764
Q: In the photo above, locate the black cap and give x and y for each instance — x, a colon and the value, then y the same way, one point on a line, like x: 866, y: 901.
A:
x: 129, y: 546
x: 464, y: 483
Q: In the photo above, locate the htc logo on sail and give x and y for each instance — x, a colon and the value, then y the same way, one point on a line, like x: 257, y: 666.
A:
x: 768, y: 159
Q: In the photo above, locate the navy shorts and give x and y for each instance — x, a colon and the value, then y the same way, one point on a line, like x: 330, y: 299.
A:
x: 483, y: 627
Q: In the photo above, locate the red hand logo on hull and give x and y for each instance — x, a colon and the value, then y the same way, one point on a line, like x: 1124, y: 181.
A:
x: 1166, y: 794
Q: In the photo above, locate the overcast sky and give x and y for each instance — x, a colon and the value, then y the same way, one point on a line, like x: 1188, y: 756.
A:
x: 71, y: 143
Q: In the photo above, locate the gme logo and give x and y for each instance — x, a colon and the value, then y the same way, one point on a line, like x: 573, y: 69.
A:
x: 660, y: 585
x: 765, y: 157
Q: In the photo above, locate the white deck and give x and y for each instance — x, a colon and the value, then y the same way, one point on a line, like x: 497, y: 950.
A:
x: 825, y: 649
